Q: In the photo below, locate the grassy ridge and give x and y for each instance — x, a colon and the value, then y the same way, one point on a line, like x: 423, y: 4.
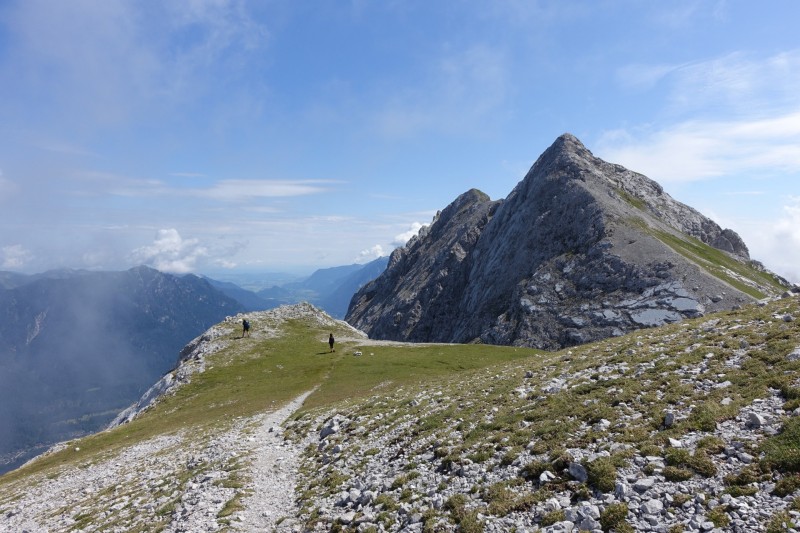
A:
x: 484, y: 405
x: 719, y: 263
x: 716, y: 262
x: 252, y: 375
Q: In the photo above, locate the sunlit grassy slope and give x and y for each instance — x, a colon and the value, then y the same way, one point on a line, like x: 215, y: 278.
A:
x: 255, y: 374
x: 478, y: 404
x: 745, y: 277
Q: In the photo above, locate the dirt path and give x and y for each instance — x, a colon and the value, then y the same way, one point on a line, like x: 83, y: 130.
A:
x: 273, y: 474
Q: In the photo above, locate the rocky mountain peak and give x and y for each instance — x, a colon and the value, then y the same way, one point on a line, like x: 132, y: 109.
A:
x: 580, y: 250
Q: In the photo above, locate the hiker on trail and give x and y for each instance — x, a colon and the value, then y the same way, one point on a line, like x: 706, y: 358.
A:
x: 245, y: 328
x: 330, y: 342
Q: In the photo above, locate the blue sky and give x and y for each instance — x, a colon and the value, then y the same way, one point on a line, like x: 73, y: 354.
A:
x: 230, y: 136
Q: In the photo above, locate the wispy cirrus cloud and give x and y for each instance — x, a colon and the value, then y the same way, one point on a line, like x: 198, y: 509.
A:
x: 461, y: 92
x: 735, y: 83
x: 236, y: 190
x: 230, y: 190
x: 745, y: 117
x: 110, y: 60
x: 696, y: 150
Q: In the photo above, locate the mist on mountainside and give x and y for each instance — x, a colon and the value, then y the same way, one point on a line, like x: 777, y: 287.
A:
x: 76, y: 350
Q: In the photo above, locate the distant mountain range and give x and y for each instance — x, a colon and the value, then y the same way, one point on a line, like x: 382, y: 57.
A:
x: 76, y: 347
x: 327, y: 288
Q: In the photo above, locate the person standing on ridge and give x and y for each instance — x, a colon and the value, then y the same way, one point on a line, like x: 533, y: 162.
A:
x: 330, y: 342
x: 245, y: 328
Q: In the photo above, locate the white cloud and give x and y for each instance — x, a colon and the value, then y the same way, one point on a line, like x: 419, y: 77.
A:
x: 229, y: 190
x: 403, y: 238
x: 738, y: 82
x: 14, y: 257
x: 370, y: 254
x: 171, y: 253
x: 785, y: 242
x: 224, y: 263
x: 696, y: 150
x: 232, y: 190
x: 734, y: 83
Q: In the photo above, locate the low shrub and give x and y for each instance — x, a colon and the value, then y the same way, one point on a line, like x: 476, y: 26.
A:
x: 674, y: 473
x: 782, y: 451
x: 553, y: 517
x: 719, y: 517
x: 780, y: 523
x: 602, y: 474
x: 787, y: 485
x: 700, y: 463
x: 711, y: 444
x: 613, y: 518
x: 533, y: 470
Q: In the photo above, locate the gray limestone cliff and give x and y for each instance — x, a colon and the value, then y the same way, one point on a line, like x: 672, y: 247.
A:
x: 580, y: 250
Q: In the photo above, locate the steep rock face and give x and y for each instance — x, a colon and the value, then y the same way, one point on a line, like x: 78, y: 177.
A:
x: 580, y: 250
x: 414, y: 297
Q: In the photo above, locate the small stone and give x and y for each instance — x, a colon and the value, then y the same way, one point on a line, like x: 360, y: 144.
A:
x: 552, y: 505
x: 652, y: 507
x: 589, y: 524
x: 644, y: 484
x: 746, y: 458
x: 330, y: 429
x: 546, y: 477
x: 755, y: 420
x: 578, y: 472
x: 588, y: 510
x: 675, y: 443
x: 788, y: 318
x: 669, y: 419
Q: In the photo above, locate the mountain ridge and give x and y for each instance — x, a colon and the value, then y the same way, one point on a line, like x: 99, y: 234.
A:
x: 580, y: 250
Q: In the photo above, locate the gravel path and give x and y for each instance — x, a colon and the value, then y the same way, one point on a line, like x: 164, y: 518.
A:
x: 179, y: 482
x: 273, y: 474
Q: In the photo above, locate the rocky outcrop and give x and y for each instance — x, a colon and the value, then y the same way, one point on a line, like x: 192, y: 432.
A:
x: 580, y: 250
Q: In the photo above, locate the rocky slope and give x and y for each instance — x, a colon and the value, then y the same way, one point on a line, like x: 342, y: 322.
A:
x: 691, y: 427
x: 687, y: 427
x: 580, y: 250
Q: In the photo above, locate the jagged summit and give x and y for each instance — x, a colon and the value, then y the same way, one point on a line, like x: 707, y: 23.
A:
x: 581, y: 249
x: 568, y: 160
